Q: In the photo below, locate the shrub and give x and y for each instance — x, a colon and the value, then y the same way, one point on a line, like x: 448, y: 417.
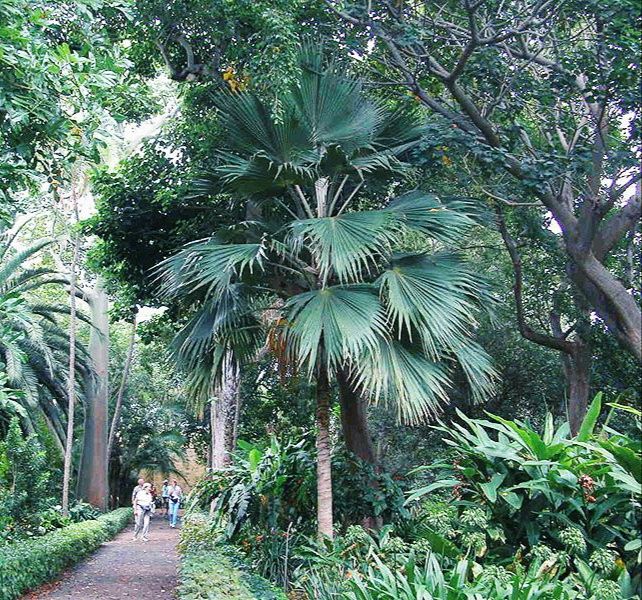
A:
x: 214, y: 570
x: 516, y: 491
x: 516, y: 514
x: 274, y: 489
x: 27, y: 564
x: 25, y: 476
x: 265, y: 502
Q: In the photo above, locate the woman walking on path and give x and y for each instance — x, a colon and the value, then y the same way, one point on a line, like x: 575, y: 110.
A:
x: 135, y: 491
x: 165, y: 498
x: 175, y: 497
x: 143, y: 506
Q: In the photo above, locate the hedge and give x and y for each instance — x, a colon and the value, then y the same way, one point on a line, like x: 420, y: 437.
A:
x: 215, y: 574
x: 30, y: 563
x: 211, y: 571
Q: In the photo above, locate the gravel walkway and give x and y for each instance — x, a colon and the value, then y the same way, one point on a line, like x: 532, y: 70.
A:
x: 122, y: 568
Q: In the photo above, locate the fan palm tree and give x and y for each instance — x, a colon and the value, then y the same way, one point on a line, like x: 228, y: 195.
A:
x: 34, y: 348
x: 347, y: 302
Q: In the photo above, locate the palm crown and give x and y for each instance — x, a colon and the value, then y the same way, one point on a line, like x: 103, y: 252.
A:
x: 345, y: 299
x: 34, y: 348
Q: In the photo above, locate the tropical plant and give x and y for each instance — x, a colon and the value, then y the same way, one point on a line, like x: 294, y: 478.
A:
x: 24, y: 485
x: 319, y: 284
x: 569, y: 501
x: 9, y: 400
x: 34, y: 347
x: 428, y: 580
x: 264, y: 501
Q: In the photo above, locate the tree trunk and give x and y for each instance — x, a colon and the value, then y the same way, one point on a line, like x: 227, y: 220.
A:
x: 324, y: 457
x: 222, y: 414
x: 354, y: 421
x: 575, y: 353
x: 627, y: 329
x: 577, y: 371
x: 71, y: 378
x: 237, y: 416
x: 93, y: 479
x: 121, y: 390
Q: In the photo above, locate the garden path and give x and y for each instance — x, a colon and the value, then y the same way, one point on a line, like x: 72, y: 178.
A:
x: 121, y: 569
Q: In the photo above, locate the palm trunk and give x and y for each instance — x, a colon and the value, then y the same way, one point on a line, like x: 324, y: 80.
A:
x: 121, y: 390
x: 222, y: 416
x: 93, y: 484
x: 71, y: 377
x: 324, y: 457
x: 354, y: 421
x: 237, y: 416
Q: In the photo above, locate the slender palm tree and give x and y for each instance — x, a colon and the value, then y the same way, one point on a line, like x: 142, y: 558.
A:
x: 347, y: 300
x: 34, y: 347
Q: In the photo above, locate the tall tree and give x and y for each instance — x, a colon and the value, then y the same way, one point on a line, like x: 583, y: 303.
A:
x: 544, y: 97
x: 93, y: 484
x: 344, y: 300
x: 60, y: 73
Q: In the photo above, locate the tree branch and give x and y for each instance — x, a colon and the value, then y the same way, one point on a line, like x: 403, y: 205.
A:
x: 526, y: 331
x: 615, y: 228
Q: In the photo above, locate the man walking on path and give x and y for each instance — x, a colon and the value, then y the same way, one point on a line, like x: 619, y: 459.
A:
x: 175, y: 497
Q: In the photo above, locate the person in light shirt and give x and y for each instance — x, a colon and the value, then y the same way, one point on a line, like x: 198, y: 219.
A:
x: 175, y: 497
x: 143, y: 505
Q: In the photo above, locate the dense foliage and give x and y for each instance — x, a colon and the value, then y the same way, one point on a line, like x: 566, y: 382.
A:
x: 538, y: 514
x: 217, y: 572
x: 29, y: 487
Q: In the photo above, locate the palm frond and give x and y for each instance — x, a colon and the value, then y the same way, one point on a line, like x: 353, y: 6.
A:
x: 324, y: 327
x: 430, y: 297
x: 404, y: 378
x: 18, y: 259
x: 207, y: 267
x: 347, y: 245
x: 478, y: 368
x: 425, y: 213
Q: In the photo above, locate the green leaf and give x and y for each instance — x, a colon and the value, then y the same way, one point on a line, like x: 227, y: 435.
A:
x: 624, y: 407
x: 490, y: 488
x: 425, y: 213
x: 438, y: 543
x: 395, y: 374
x: 208, y: 267
x: 348, y: 245
x: 513, y: 499
x: 438, y: 485
x: 590, y: 419
x: 627, y: 458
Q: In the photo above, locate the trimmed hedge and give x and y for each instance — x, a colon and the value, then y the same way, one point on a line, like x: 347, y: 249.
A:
x: 30, y: 563
x: 211, y: 571
x: 217, y: 574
